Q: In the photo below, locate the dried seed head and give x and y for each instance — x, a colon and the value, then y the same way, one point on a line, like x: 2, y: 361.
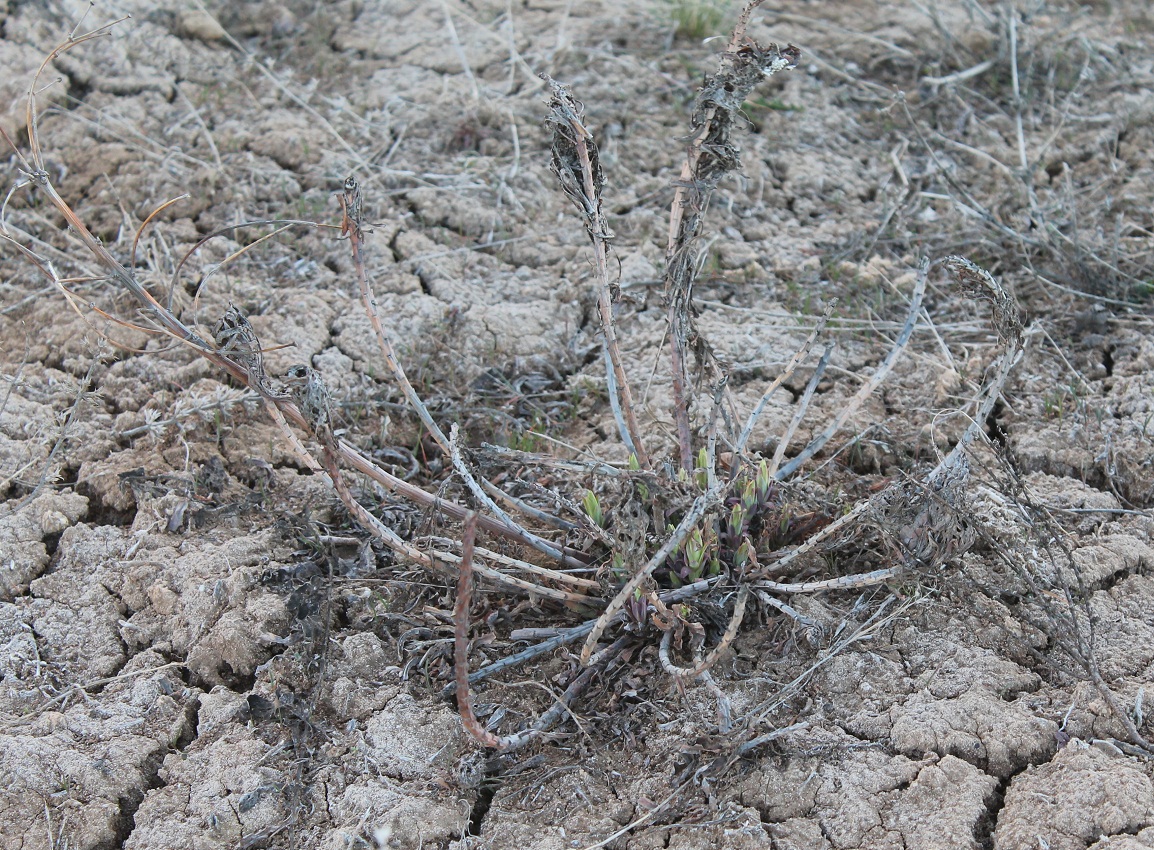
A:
x: 235, y: 338
x: 575, y: 159
x: 976, y: 282
x: 312, y: 397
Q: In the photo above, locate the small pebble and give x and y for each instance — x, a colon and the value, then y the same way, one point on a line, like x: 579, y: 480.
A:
x: 199, y: 25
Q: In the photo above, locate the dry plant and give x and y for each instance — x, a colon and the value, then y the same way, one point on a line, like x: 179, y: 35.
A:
x: 663, y: 539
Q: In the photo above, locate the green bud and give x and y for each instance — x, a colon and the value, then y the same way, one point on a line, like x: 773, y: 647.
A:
x: 749, y: 496
x: 741, y: 556
x: 764, y: 482
x: 617, y: 567
x: 593, y: 508
x: 736, y: 517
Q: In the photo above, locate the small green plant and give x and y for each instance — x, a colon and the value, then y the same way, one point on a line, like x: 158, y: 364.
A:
x: 1063, y: 401
x: 592, y: 507
x: 755, y: 520
x: 696, y: 18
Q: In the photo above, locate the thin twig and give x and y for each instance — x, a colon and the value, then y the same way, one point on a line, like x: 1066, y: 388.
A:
x: 478, y: 491
x: 576, y: 633
x: 784, y: 376
x: 527, y: 509
x: 561, y: 707
x: 750, y: 746
x: 352, y: 228
x: 802, y: 406
x: 868, y: 388
x: 461, y: 638
x: 853, y: 582
x: 1023, y: 160
x: 524, y: 566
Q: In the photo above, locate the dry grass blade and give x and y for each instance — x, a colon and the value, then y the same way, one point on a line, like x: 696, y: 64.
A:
x: 144, y: 224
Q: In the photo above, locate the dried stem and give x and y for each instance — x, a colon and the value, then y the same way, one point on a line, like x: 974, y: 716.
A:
x: 561, y: 707
x: 785, y: 375
x: 524, y: 566
x: 576, y: 163
x: 799, y: 414
x: 478, y: 491
x: 576, y: 633
x: 461, y: 638
x: 711, y: 155
x: 564, y: 597
x: 840, y: 583
x: 352, y: 228
x: 461, y: 662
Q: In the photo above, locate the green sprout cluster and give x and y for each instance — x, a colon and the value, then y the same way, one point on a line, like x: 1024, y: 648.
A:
x: 728, y: 542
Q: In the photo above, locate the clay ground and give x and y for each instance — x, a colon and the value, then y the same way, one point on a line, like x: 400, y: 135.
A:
x: 197, y: 647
